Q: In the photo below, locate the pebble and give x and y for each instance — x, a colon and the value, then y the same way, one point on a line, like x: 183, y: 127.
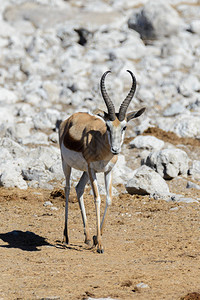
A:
x: 142, y: 285
x: 192, y: 185
x: 48, y: 203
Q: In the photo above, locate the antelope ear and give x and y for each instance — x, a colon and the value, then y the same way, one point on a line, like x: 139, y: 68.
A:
x: 135, y: 114
x: 101, y: 114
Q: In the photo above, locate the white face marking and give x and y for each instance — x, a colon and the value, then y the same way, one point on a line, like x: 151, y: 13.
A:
x: 116, y: 135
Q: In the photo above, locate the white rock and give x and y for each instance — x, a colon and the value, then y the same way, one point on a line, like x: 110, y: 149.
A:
x: 54, y: 208
x: 3, y: 42
x: 34, y: 171
x: 142, y: 285
x: 145, y: 93
x: 7, y: 97
x: 24, y: 27
x: 161, y: 123
x: 144, y: 124
x: 186, y: 126
x: 18, y: 131
x: 34, y: 99
x: 189, y: 84
x: 43, y: 184
x: 131, y: 50
x: 56, y: 170
x: 121, y: 172
x: 48, y: 203
x: 169, y: 163
x: 192, y: 185
x: 195, y: 26
x: 36, y: 139
x: 4, y: 155
x: 12, y: 179
x: 10, y: 175
x: 33, y: 184
x: 146, y: 181
x: 49, y: 156
x: 175, y: 108
x: 195, y: 168
x: 46, y: 119
x: 42, y: 177
x: 52, y: 90
x: 147, y: 142
x: 187, y: 200
x: 14, y: 148
x: 156, y: 19
x: 6, y: 30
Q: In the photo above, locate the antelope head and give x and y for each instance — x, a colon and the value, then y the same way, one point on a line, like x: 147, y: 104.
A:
x: 116, y: 122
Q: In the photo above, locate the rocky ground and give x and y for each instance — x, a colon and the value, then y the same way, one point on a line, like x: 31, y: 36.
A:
x: 52, y: 56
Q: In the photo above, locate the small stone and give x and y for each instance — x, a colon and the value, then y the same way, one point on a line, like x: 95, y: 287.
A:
x: 192, y: 185
x: 174, y: 209
x: 142, y: 285
x: 54, y: 208
x: 48, y: 203
x: 187, y: 200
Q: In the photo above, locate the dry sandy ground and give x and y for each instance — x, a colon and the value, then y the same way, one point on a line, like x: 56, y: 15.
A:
x: 146, y: 241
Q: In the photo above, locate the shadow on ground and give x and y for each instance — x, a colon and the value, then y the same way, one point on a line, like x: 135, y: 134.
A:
x: 24, y: 240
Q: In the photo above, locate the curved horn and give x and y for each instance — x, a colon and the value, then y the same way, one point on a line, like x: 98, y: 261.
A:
x: 108, y: 102
x: 124, y: 106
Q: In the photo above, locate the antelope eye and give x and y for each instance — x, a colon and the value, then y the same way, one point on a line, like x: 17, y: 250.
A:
x: 124, y: 128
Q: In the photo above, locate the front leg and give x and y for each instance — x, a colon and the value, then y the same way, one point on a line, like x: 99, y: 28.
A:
x: 108, y: 185
x: 97, y: 201
x: 80, y: 190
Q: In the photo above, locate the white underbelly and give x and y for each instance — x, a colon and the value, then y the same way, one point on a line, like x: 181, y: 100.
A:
x: 77, y: 161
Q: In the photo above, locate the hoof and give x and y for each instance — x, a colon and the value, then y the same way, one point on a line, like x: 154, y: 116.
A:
x: 65, y: 240
x: 100, y: 250
x: 95, y: 243
x: 65, y: 237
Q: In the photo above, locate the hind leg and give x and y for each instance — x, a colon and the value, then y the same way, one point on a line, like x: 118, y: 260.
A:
x: 80, y: 190
x: 67, y: 172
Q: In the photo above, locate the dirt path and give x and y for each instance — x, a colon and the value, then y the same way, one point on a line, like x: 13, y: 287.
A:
x: 146, y: 241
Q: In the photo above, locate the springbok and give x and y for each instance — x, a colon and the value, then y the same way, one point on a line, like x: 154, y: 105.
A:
x: 90, y: 143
